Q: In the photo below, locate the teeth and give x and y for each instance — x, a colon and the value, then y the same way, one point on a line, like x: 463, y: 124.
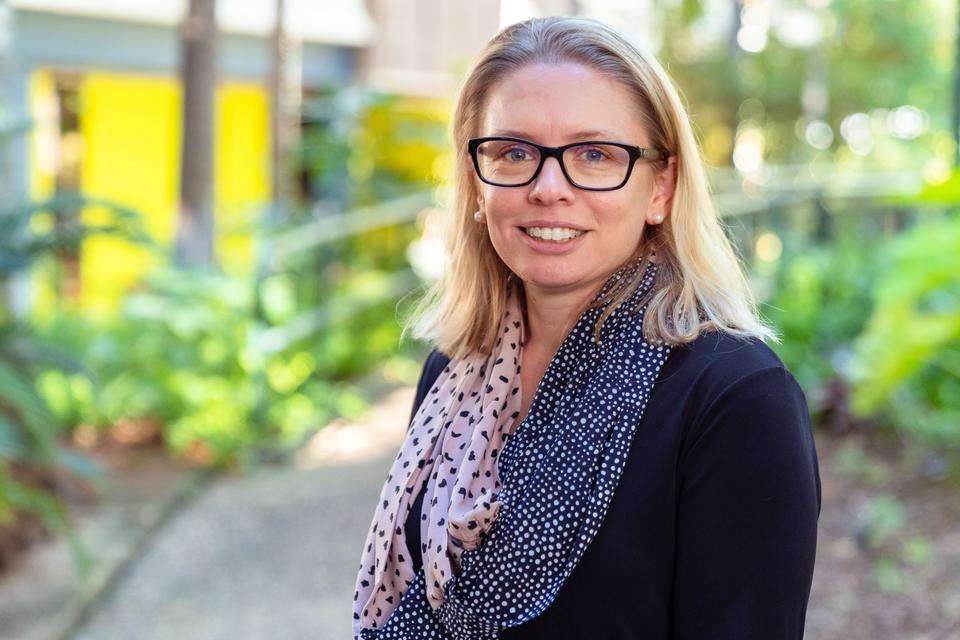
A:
x: 556, y: 234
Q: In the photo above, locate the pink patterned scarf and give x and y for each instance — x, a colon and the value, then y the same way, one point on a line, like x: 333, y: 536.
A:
x: 461, y: 499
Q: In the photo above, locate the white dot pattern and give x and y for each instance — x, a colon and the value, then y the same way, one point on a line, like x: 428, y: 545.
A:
x: 550, y: 486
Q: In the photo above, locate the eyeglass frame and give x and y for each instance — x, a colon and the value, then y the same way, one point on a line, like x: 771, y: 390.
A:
x: 635, y: 152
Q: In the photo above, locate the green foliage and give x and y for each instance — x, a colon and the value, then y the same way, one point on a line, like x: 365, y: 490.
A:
x: 36, y: 230
x: 820, y: 303
x: 871, y: 55
x: 189, y: 352
x: 881, y: 316
x: 946, y: 192
x: 178, y: 353
x: 30, y: 425
x: 28, y: 440
x: 910, y: 71
x: 908, y: 359
x: 362, y: 146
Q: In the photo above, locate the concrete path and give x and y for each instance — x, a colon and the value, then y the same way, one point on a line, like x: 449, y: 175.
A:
x: 270, y: 555
x: 46, y: 592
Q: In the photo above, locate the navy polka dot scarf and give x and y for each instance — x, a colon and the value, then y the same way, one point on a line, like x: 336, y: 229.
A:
x: 497, y: 559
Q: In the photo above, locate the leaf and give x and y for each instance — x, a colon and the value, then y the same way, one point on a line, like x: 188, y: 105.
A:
x: 80, y: 464
x: 35, y: 417
x: 12, y: 446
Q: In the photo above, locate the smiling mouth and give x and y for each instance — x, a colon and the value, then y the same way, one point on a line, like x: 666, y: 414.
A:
x: 557, y: 235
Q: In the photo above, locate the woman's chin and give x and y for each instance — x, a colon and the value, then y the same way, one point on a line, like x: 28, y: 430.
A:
x: 553, y: 277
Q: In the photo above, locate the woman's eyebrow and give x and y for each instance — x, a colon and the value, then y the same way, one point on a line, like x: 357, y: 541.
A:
x: 591, y: 134
x: 511, y: 133
x: 595, y: 134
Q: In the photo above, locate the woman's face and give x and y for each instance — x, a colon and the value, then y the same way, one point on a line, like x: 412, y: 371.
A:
x: 553, y: 105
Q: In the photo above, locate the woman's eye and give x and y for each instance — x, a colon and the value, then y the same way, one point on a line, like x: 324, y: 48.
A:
x: 594, y: 155
x: 517, y: 154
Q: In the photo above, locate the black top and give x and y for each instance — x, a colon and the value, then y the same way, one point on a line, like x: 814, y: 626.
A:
x: 712, y: 532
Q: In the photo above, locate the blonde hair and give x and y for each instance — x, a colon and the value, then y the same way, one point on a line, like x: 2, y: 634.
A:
x: 699, y: 285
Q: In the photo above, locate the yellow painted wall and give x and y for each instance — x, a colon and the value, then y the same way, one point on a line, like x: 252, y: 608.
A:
x: 131, y: 128
x: 242, y: 177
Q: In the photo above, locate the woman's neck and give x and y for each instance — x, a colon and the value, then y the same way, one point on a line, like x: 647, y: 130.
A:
x: 551, y: 315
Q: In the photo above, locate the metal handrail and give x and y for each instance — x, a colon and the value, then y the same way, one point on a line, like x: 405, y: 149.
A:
x: 275, y: 339
x: 741, y: 196
x: 344, y: 225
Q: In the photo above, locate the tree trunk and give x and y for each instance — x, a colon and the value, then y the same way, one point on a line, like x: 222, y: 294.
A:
x: 955, y: 102
x: 194, y: 244
x: 736, y: 88
x: 284, y: 112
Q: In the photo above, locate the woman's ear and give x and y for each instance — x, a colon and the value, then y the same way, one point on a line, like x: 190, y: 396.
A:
x: 665, y: 184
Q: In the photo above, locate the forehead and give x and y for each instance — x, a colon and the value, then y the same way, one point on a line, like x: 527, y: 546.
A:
x: 557, y: 103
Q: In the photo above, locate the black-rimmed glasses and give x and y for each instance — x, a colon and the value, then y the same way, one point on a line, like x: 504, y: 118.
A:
x: 593, y: 165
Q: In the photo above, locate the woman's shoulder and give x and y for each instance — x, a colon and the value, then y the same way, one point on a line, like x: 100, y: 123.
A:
x: 434, y: 363
x: 721, y: 365
x: 745, y: 406
x: 721, y: 358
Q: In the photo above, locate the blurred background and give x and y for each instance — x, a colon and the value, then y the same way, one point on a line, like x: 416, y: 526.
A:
x: 213, y: 222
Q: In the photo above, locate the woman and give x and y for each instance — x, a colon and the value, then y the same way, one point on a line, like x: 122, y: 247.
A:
x: 602, y: 446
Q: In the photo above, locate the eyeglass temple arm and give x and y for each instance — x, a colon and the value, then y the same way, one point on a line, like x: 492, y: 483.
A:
x: 650, y: 153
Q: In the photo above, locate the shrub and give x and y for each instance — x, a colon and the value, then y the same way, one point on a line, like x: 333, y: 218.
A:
x: 907, y: 361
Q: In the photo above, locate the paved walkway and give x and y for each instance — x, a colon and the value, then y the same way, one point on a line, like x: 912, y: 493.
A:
x: 270, y: 555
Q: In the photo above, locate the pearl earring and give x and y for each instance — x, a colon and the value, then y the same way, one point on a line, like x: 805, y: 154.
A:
x: 658, y: 217
x: 477, y: 215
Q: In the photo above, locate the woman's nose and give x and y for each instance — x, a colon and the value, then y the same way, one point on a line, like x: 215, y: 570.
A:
x: 551, y: 184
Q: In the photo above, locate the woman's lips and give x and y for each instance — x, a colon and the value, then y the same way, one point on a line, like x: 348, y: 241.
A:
x: 550, y: 247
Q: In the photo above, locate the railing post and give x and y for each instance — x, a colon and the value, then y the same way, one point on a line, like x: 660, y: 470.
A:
x: 824, y: 229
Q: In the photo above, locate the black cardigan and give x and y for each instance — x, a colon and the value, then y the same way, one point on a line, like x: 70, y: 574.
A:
x: 712, y: 532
